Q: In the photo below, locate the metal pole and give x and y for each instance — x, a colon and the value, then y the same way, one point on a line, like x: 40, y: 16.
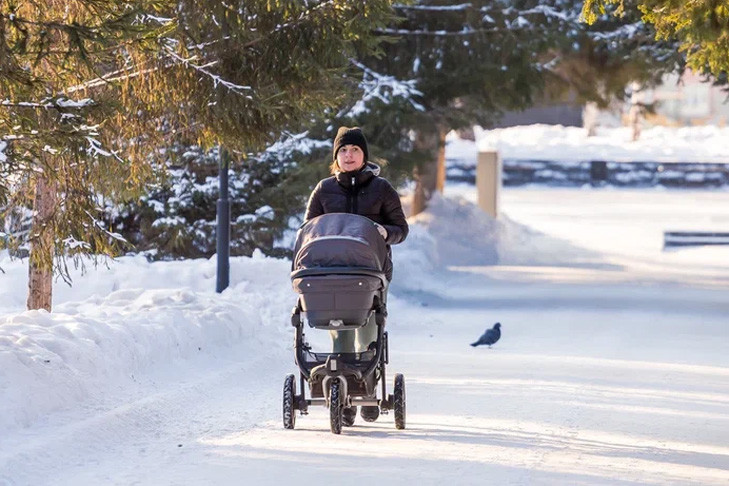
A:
x: 223, y: 230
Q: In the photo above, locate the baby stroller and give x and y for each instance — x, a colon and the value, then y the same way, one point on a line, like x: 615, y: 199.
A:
x: 339, y: 273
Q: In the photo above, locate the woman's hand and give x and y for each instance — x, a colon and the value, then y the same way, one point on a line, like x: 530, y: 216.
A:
x: 382, y: 231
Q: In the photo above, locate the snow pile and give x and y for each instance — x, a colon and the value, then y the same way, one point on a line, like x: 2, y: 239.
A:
x: 571, y: 144
x: 128, y: 320
x: 455, y: 232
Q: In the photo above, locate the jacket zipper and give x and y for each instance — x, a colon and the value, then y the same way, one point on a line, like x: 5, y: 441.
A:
x: 354, y: 197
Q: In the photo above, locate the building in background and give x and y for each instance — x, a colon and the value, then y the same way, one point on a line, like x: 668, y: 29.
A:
x: 688, y: 100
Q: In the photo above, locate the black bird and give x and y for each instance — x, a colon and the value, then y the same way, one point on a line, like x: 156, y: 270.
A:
x: 490, y: 336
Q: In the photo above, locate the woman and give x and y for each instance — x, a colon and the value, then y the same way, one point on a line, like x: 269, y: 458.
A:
x: 356, y: 187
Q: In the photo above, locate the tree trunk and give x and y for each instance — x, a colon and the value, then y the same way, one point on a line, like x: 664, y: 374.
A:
x: 40, y: 267
x: 441, y: 176
x: 419, y: 198
x: 589, y: 118
x: 426, y: 175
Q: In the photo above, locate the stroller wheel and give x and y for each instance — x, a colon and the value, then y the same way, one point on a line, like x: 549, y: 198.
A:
x: 289, y: 397
x: 399, y: 401
x: 348, y: 416
x: 335, y: 407
x: 370, y: 413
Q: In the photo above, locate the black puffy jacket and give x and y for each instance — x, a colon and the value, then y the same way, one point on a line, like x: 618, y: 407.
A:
x: 364, y: 193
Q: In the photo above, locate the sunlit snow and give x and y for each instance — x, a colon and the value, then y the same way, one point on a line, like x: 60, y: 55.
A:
x: 612, y: 367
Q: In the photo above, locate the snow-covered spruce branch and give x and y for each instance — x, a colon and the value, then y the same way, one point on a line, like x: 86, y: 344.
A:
x: 110, y: 77
x: 548, y: 11
x: 200, y: 47
x: 62, y: 102
x: 289, y: 143
x: 68, y: 27
x: 466, y: 31
x: 550, y: 65
x: 169, y: 53
x: 162, y: 21
x: 628, y: 31
x: 384, y: 88
x: 303, y: 15
x: 255, y: 41
x: 72, y: 243
x: 235, y: 88
x: 35, y: 134
x: 434, y: 8
x: 100, y: 225
x: 95, y: 148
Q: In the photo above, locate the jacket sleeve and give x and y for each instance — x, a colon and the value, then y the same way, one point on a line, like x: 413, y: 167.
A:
x: 393, y: 216
x: 314, y: 207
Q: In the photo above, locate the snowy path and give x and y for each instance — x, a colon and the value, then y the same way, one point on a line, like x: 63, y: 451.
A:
x: 604, y: 375
x: 569, y: 396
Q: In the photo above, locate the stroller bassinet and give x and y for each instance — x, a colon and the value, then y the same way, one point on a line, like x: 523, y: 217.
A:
x: 338, y: 271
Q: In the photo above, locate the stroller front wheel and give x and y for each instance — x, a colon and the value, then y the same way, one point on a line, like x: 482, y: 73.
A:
x: 289, y: 399
x: 399, y: 401
x: 336, y: 407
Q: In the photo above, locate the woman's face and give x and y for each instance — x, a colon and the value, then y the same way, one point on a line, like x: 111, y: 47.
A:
x: 350, y: 158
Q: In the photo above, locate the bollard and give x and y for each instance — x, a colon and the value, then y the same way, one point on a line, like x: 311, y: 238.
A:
x: 598, y: 172
x: 488, y: 182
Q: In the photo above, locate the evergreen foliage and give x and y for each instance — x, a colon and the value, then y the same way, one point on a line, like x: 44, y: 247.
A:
x: 701, y: 27
x: 471, y: 62
x: 602, y: 58
x: 177, y: 217
x: 94, y: 88
x: 59, y: 134
x: 454, y: 64
x: 195, y: 74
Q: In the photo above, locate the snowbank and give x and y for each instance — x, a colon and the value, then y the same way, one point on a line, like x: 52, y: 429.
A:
x: 571, y: 144
x: 127, y: 320
x: 455, y: 232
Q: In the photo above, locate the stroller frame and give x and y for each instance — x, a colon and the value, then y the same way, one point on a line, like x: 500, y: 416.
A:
x: 342, y: 380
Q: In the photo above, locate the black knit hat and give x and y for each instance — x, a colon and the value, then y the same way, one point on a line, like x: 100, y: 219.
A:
x: 350, y: 136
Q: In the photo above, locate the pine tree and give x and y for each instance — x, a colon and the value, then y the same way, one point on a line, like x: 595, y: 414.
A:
x: 470, y: 62
x: 58, y: 155
x: 93, y: 88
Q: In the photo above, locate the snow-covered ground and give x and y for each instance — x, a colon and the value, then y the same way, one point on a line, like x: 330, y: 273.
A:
x: 571, y: 144
x: 612, y: 368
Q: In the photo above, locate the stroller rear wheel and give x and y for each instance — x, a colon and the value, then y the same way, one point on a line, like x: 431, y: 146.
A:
x: 348, y: 416
x: 399, y: 401
x: 289, y: 398
x: 336, y: 407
